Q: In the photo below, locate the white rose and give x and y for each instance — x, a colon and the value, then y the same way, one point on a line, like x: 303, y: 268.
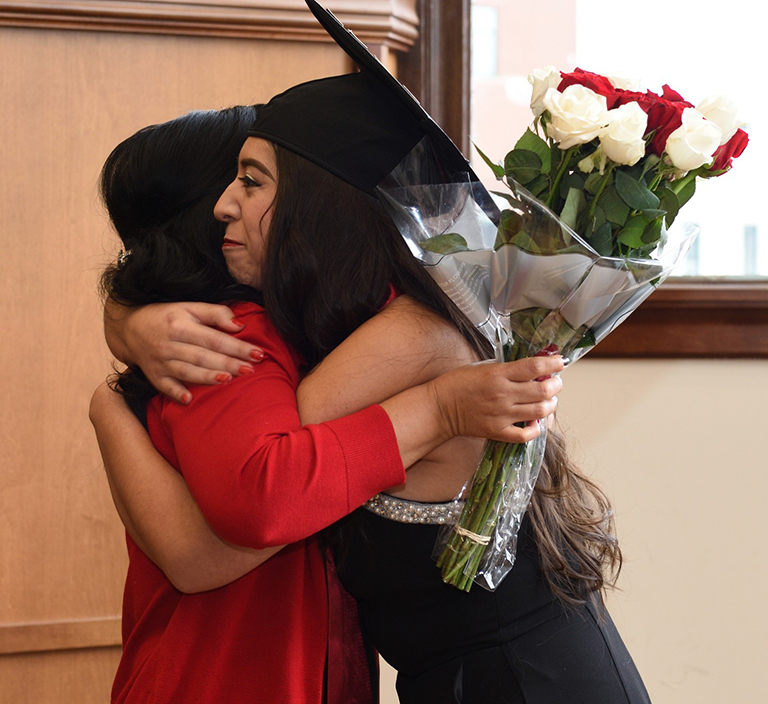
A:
x: 723, y: 113
x: 542, y: 79
x: 577, y: 115
x: 622, y: 140
x: 626, y: 83
x: 693, y: 143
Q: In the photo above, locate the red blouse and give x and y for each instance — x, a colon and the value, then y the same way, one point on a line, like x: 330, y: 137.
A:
x: 260, y: 479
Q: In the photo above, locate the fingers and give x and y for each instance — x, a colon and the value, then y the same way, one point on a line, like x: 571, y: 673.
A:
x: 516, y: 434
x: 173, y: 389
x: 215, y: 315
x: 227, y: 346
x: 499, y: 388
x: 532, y: 368
x: 199, y: 365
x: 531, y: 412
x: 217, y: 349
x: 532, y: 392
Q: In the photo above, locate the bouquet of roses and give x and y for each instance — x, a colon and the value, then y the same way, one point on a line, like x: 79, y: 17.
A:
x: 593, y: 187
x: 616, y: 165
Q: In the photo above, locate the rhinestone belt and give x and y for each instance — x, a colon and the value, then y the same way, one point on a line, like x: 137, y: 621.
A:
x: 405, y: 511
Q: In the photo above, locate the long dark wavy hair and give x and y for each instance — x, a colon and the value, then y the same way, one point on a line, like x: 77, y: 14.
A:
x: 159, y: 187
x: 332, y: 252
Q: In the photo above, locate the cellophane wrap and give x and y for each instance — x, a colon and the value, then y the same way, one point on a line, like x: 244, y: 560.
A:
x: 532, y: 286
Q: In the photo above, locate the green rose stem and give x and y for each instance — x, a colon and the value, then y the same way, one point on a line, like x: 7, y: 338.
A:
x: 560, y: 173
x: 461, y: 557
x: 681, y: 183
x: 600, y: 188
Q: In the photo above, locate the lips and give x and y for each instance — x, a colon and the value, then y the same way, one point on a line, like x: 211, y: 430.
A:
x: 230, y: 243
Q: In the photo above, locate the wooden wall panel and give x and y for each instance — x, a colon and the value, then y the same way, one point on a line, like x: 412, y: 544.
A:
x: 389, y: 22
x: 67, y: 98
x: 72, y: 677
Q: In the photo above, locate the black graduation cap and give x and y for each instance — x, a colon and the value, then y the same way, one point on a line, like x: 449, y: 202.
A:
x: 358, y: 126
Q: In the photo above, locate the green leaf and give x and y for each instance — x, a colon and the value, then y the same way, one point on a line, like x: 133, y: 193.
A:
x: 653, y: 213
x: 652, y: 231
x: 588, y: 340
x: 522, y: 165
x: 635, y: 193
x: 507, y: 197
x: 575, y: 203
x: 510, y: 223
x: 601, y: 240
x: 635, y: 172
x: 498, y: 169
x: 686, y: 193
x: 593, y: 182
x: 616, y: 210
x: 599, y: 217
x: 632, y: 233
x: 669, y: 203
x: 525, y: 242
x: 539, y: 187
x: 449, y: 243
x: 531, y: 142
x: 569, y: 182
x: 649, y: 163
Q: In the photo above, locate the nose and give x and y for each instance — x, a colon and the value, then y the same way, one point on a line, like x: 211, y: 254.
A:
x: 226, y: 208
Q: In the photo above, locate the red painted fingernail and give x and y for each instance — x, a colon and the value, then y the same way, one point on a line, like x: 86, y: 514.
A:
x: 256, y: 355
x: 246, y: 369
x: 186, y: 399
x: 223, y: 378
x: 237, y: 322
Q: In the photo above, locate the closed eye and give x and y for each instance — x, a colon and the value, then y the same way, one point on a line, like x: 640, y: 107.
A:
x: 248, y: 181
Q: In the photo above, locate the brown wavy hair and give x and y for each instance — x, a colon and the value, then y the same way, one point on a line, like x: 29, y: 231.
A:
x: 332, y: 253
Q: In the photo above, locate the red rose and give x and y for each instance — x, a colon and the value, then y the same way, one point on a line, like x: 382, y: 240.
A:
x: 593, y: 81
x: 664, y: 117
x: 672, y: 95
x: 664, y: 113
x: 645, y: 100
x: 727, y: 152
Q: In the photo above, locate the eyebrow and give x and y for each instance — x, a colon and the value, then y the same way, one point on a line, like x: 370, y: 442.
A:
x: 257, y: 165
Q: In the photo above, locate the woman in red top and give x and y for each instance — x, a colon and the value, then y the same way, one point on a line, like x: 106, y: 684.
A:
x: 261, y: 477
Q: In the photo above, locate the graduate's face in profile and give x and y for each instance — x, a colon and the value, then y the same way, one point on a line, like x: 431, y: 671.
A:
x: 246, y: 207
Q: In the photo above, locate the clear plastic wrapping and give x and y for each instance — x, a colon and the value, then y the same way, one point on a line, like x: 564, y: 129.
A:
x: 532, y: 286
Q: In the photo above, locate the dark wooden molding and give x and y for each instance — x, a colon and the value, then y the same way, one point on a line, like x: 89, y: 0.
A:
x: 49, y: 636
x: 437, y: 68
x: 695, y: 318
x: 391, y: 23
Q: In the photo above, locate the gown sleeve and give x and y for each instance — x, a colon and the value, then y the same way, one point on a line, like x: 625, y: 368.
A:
x: 259, y: 477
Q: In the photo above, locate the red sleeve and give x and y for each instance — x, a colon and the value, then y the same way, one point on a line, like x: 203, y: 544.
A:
x: 261, y: 479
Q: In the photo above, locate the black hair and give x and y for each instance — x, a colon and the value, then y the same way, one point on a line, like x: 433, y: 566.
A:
x: 159, y: 187
x: 332, y: 252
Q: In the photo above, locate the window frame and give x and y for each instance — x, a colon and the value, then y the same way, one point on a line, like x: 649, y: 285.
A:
x: 686, y: 317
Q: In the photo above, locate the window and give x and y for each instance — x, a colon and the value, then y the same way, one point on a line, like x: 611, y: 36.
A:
x: 725, y: 313
x: 485, y: 41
